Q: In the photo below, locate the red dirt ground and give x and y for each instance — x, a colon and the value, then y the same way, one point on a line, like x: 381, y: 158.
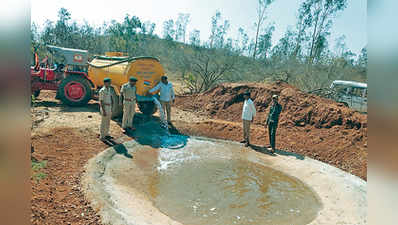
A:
x: 57, y: 199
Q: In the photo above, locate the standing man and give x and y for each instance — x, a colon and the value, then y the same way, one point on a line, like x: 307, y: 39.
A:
x: 166, y: 95
x: 128, y: 99
x: 106, y: 103
x: 272, y: 120
x: 248, y: 113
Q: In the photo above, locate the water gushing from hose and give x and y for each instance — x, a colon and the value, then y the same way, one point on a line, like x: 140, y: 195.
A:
x: 163, y: 122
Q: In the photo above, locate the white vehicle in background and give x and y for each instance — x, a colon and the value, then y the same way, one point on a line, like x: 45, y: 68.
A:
x: 350, y: 93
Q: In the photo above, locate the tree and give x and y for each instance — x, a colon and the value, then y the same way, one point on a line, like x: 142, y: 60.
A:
x: 194, y: 38
x: 48, y: 35
x: 34, y: 35
x: 261, y: 8
x: 265, y: 42
x: 242, y: 41
x: 321, y: 46
x: 349, y: 56
x: 148, y: 28
x: 131, y: 25
x: 168, y: 29
x: 208, y: 68
x: 218, y: 31
x: 363, y: 58
x: 229, y: 45
x: 181, y: 27
x: 123, y: 35
x: 35, y: 41
x: 85, y: 37
x: 62, y: 29
x: 340, y: 45
x: 318, y: 15
x: 303, y: 23
x: 283, y: 50
x: 342, y: 50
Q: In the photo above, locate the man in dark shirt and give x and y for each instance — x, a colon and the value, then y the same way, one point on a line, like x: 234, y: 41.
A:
x: 272, y: 120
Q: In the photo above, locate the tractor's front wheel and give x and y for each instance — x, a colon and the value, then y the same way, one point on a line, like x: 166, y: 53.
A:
x: 75, y: 91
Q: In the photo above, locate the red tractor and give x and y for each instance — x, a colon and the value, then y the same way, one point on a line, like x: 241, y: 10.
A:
x: 66, y: 74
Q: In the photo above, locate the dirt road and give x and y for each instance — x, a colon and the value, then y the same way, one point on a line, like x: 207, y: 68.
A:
x: 65, y: 138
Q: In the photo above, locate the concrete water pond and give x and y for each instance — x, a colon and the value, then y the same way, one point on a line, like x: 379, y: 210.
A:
x: 219, y: 182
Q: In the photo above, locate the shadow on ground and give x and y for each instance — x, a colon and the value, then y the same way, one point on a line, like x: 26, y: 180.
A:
x: 122, y: 150
x: 265, y: 150
x: 118, y: 147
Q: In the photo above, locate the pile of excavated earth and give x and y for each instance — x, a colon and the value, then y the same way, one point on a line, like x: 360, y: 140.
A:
x: 310, y: 125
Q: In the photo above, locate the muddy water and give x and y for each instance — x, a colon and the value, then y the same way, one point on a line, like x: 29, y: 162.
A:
x: 210, y: 182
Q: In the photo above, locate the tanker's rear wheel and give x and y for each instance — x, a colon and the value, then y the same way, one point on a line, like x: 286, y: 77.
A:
x: 148, y: 108
x: 75, y: 91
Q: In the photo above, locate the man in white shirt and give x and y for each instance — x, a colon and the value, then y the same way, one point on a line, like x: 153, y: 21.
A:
x: 166, y: 95
x: 248, y: 113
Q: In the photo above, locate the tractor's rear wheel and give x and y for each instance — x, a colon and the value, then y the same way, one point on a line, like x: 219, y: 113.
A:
x: 75, y: 91
x: 148, y: 108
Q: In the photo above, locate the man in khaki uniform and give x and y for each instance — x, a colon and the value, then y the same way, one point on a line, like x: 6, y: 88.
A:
x: 128, y: 99
x: 106, y: 103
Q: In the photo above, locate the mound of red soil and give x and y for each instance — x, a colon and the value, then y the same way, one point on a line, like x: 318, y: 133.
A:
x: 299, y: 109
x: 309, y: 125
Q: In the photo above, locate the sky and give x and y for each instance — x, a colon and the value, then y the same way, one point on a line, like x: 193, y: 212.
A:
x: 351, y: 22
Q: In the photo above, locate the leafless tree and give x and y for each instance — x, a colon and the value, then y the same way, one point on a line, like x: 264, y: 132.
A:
x: 208, y: 68
x: 261, y: 8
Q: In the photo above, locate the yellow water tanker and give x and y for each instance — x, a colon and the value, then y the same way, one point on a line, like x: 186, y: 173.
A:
x: 147, y: 70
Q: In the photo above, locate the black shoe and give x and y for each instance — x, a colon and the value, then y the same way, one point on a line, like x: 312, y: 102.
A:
x: 108, y: 137
x: 244, y: 141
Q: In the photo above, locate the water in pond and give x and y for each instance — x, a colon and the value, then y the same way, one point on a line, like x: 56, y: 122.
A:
x: 217, y: 183
x: 233, y: 192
